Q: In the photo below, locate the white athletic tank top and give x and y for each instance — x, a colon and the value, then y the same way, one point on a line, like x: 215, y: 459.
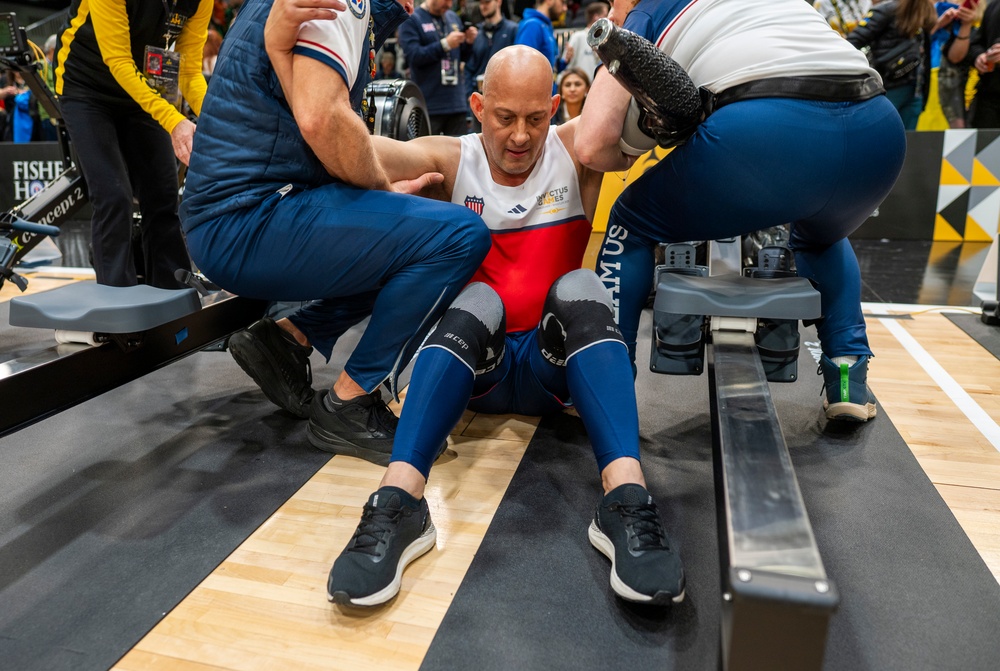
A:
x: 539, y: 229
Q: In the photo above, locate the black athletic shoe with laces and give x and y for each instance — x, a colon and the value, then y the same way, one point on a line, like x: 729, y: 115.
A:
x: 395, y: 529
x: 628, y: 531
x: 362, y: 427
x: 279, y: 366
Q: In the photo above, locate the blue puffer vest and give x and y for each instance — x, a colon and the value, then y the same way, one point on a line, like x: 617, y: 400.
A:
x: 248, y: 145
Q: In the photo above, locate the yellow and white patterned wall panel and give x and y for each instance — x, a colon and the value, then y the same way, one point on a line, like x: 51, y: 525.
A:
x: 968, y: 204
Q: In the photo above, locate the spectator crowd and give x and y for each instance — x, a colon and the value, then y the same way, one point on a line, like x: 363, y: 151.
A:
x: 936, y: 59
x: 444, y: 48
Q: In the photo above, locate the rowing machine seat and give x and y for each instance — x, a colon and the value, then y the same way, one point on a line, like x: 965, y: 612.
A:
x: 96, y: 308
x: 737, y: 296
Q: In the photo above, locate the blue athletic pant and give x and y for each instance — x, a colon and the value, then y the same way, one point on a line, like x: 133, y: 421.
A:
x: 599, y: 379
x: 401, y: 259
x: 823, y: 167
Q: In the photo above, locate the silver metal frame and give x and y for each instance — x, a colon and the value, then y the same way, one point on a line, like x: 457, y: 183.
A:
x: 777, y: 599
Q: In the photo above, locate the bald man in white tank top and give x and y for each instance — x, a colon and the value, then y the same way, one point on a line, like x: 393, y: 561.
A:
x: 533, y: 333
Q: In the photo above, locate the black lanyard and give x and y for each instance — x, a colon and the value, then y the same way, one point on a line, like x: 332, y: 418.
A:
x: 490, y: 31
x: 439, y: 29
x: 173, y: 23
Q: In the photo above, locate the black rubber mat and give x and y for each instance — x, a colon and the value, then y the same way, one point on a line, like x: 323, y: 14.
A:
x: 984, y: 334
x: 113, y: 511
x: 914, y: 592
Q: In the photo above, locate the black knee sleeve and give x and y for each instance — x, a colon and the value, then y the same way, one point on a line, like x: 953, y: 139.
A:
x: 577, y: 314
x: 473, y: 328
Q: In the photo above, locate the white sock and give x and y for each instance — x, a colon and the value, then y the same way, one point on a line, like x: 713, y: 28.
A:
x: 849, y: 360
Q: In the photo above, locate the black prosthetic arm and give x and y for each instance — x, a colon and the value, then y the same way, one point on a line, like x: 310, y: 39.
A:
x: 659, y: 85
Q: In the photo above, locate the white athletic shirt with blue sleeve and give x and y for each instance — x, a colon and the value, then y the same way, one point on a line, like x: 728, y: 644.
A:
x: 341, y: 43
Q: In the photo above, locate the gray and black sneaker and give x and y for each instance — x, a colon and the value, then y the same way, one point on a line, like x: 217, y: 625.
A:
x: 362, y: 427
x: 628, y: 531
x: 395, y: 529
x: 278, y: 365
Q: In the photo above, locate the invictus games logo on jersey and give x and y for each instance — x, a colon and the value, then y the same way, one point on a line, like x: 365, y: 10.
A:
x: 475, y: 203
x: 552, y: 197
x: 357, y: 8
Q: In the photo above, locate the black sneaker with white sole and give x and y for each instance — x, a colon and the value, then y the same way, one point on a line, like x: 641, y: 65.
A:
x: 395, y: 529
x: 279, y: 366
x: 627, y: 530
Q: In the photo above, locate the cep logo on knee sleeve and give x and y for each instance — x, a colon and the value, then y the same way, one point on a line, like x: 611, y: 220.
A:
x: 457, y: 339
x: 473, y: 329
x: 552, y: 339
x: 577, y: 314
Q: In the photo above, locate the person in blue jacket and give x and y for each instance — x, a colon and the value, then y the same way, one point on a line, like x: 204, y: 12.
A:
x: 285, y: 200
x: 495, y: 33
x: 436, y: 43
x: 24, y: 113
x: 535, y: 30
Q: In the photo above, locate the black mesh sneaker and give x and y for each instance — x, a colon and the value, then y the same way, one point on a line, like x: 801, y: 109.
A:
x: 628, y: 531
x: 279, y: 366
x: 362, y: 427
x: 395, y: 529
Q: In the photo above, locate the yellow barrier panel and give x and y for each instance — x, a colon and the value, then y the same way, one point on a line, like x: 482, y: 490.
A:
x: 932, y: 117
x: 615, y: 182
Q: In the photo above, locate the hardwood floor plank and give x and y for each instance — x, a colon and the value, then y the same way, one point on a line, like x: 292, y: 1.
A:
x: 144, y: 661
x: 38, y: 281
x: 978, y: 511
x: 266, y: 606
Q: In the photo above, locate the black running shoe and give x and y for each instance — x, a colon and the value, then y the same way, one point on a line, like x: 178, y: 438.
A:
x: 395, y: 529
x: 362, y: 427
x: 278, y: 366
x: 628, y: 531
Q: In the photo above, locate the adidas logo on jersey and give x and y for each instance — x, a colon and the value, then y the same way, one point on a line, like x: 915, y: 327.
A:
x: 517, y: 209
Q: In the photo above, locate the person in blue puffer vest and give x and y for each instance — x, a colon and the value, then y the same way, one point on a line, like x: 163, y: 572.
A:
x: 286, y: 201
